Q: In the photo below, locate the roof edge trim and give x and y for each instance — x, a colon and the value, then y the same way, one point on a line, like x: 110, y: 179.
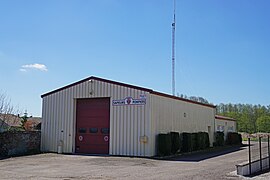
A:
x: 182, y: 99
x: 98, y: 79
x: 224, y: 118
x: 129, y: 86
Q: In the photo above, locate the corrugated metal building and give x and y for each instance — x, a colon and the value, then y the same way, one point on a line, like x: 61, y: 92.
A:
x: 101, y: 116
x: 225, y: 124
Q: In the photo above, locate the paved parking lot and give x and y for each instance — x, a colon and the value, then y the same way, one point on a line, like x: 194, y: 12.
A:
x: 214, y: 165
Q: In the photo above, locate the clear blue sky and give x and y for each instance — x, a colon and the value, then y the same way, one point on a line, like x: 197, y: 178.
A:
x: 222, y: 47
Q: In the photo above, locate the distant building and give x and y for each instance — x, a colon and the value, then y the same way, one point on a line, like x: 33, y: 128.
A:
x: 9, y: 122
x: 225, y: 124
x: 13, y: 122
x: 32, y: 124
x: 3, y: 126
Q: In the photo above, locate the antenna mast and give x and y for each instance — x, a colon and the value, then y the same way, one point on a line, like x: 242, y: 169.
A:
x: 173, y: 50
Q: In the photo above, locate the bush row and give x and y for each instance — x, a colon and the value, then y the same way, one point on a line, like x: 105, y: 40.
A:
x: 233, y: 138
x: 174, y: 142
x: 219, y: 139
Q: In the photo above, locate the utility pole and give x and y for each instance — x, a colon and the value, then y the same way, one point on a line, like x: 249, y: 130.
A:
x: 173, y: 50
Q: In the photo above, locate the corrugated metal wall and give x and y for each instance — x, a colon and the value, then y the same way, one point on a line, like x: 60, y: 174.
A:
x: 169, y: 114
x: 127, y: 123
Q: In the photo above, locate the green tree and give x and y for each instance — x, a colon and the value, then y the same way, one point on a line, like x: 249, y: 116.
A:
x: 24, y: 119
x: 247, y: 115
x: 263, y: 123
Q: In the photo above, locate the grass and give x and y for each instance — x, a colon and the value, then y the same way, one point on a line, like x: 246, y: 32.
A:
x: 255, y: 139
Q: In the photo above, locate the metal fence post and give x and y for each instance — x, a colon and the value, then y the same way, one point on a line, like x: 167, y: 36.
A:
x: 268, y: 153
x: 249, y: 156
x: 260, y: 142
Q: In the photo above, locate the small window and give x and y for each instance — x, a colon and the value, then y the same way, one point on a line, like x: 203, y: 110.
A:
x: 82, y: 130
x: 230, y: 129
x: 93, y: 130
x: 105, y: 130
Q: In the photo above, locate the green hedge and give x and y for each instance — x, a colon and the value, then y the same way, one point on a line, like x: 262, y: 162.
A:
x: 194, y: 142
x: 233, y: 138
x: 219, y: 139
x: 203, y: 141
x: 175, y: 142
x: 187, y: 142
x: 164, y: 144
x: 181, y: 142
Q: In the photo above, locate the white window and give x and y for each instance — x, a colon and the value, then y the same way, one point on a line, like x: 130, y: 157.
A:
x: 220, y: 128
x: 230, y: 129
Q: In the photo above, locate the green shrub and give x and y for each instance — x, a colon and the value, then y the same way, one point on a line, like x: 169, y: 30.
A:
x: 194, y: 144
x: 175, y: 141
x: 233, y: 138
x: 181, y: 142
x: 194, y: 141
x: 187, y: 141
x: 164, y: 144
x: 240, y: 138
x: 206, y: 140
x: 219, y: 139
x: 202, y: 140
x: 200, y: 137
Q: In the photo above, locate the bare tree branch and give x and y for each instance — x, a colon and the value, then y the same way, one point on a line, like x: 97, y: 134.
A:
x: 7, y: 111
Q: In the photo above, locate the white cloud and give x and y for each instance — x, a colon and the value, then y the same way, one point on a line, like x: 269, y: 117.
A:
x: 23, y: 70
x: 36, y: 66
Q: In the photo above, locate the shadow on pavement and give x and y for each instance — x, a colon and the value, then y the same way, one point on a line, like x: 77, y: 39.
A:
x: 200, y: 156
x: 2, y: 158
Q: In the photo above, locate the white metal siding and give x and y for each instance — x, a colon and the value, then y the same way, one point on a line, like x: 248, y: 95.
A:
x: 127, y: 123
x: 167, y: 114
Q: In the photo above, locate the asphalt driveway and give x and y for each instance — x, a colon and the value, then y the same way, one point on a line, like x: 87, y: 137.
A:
x: 210, y: 165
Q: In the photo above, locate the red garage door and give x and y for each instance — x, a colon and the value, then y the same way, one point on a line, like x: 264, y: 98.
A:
x: 93, y: 126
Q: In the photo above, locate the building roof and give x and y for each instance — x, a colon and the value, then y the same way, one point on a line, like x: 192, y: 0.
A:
x: 31, y: 123
x: 15, y: 121
x: 11, y: 119
x: 129, y: 86
x: 224, y: 118
x: 3, y: 124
